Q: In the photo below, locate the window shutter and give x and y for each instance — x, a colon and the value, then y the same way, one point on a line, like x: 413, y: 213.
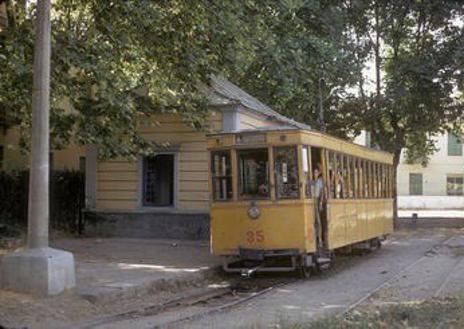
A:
x: 415, y: 184
x: 454, y: 145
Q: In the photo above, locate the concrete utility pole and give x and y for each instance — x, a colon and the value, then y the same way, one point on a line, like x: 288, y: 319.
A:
x: 39, y: 269
x: 38, y: 211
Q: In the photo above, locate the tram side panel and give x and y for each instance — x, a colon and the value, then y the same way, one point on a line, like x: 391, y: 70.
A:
x: 336, y: 230
x: 279, y: 226
x: 351, y: 221
x: 310, y: 238
x: 388, y: 215
x: 354, y: 227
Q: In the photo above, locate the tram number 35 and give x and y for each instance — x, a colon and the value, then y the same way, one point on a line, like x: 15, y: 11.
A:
x: 255, y: 236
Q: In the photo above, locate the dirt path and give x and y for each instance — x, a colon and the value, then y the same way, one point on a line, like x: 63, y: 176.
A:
x: 347, y: 283
x: 408, y: 262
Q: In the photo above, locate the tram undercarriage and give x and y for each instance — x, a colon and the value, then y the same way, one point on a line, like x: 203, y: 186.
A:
x: 250, y: 261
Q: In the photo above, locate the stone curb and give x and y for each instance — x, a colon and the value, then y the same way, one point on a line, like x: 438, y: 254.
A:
x: 141, y: 287
x: 431, y: 222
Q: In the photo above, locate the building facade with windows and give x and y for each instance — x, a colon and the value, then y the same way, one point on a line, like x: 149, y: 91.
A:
x: 166, y: 194
x: 439, y: 185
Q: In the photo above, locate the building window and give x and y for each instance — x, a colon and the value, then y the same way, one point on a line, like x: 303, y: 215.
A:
x: 454, y: 184
x: 158, y: 180
x: 253, y: 167
x: 454, y: 145
x: 415, y: 184
x: 221, y: 175
x: 286, y: 172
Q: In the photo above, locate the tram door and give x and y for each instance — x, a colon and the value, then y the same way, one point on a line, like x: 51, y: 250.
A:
x: 320, y: 196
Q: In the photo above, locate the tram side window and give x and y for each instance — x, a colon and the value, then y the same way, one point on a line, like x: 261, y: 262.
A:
x: 366, y: 178
x: 331, y: 172
x: 345, y: 181
x: 306, y: 154
x: 381, y: 181
x: 339, y: 181
x: 358, y: 169
x: 351, y: 171
x: 385, y: 181
x: 286, y: 172
x: 253, y: 168
x: 221, y: 175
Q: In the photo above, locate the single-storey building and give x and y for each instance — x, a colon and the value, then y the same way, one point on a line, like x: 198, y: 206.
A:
x: 166, y: 194
x: 13, y: 158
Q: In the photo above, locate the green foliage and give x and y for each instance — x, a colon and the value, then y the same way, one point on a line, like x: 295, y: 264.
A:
x: 297, y: 44
x: 117, y: 61
x: 421, y: 65
x: 67, y: 198
x: 419, y: 149
x: 13, y: 203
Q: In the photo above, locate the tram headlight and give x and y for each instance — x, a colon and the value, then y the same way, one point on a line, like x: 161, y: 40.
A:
x: 254, y: 212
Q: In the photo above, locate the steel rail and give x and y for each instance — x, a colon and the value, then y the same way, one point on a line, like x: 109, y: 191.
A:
x: 366, y: 296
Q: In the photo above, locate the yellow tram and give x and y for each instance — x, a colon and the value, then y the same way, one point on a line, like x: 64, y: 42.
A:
x: 270, y: 213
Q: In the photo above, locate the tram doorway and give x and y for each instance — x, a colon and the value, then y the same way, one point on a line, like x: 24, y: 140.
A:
x: 320, y: 198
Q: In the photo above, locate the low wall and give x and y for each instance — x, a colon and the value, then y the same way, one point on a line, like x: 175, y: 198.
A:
x: 430, y: 202
x: 147, y: 225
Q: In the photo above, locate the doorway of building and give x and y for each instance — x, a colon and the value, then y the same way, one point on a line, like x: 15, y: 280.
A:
x: 158, y: 180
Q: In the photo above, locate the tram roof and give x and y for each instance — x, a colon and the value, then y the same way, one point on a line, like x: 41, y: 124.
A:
x: 223, y: 92
x: 292, y: 129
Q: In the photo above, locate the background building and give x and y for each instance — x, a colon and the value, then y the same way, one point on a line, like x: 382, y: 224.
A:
x: 439, y: 185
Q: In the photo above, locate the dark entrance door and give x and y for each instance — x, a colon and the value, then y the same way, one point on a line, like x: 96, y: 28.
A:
x: 158, y: 181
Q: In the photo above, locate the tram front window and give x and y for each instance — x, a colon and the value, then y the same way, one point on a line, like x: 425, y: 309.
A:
x: 253, y: 173
x: 221, y: 175
x: 286, y: 172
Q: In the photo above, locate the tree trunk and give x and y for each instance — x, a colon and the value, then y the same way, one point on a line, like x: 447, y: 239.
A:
x: 396, y: 162
x: 38, y: 210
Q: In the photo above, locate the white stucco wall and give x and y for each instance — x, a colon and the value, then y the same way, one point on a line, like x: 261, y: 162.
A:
x: 434, y: 175
x: 430, y: 202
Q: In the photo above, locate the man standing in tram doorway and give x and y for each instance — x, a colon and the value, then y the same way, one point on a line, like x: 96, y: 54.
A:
x: 319, y: 196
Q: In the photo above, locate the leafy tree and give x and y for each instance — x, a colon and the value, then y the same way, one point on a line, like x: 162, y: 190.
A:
x: 418, y: 47
x: 304, y: 52
x: 115, y: 61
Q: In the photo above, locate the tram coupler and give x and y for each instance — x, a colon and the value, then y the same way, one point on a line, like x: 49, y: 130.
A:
x: 246, y: 273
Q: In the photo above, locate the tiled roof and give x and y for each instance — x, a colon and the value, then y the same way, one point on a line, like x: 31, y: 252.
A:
x: 223, y: 92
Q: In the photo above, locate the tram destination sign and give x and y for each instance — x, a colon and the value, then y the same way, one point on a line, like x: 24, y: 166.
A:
x: 251, y: 139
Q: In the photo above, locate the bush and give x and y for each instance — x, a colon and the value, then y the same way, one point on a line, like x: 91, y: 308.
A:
x: 67, y: 199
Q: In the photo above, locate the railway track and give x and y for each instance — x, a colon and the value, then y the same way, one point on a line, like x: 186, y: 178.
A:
x: 194, y: 307
x: 199, y: 305
x: 347, y: 310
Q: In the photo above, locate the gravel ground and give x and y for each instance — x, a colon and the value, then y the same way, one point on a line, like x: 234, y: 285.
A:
x: 438, y: 273
x: 332, y: 293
